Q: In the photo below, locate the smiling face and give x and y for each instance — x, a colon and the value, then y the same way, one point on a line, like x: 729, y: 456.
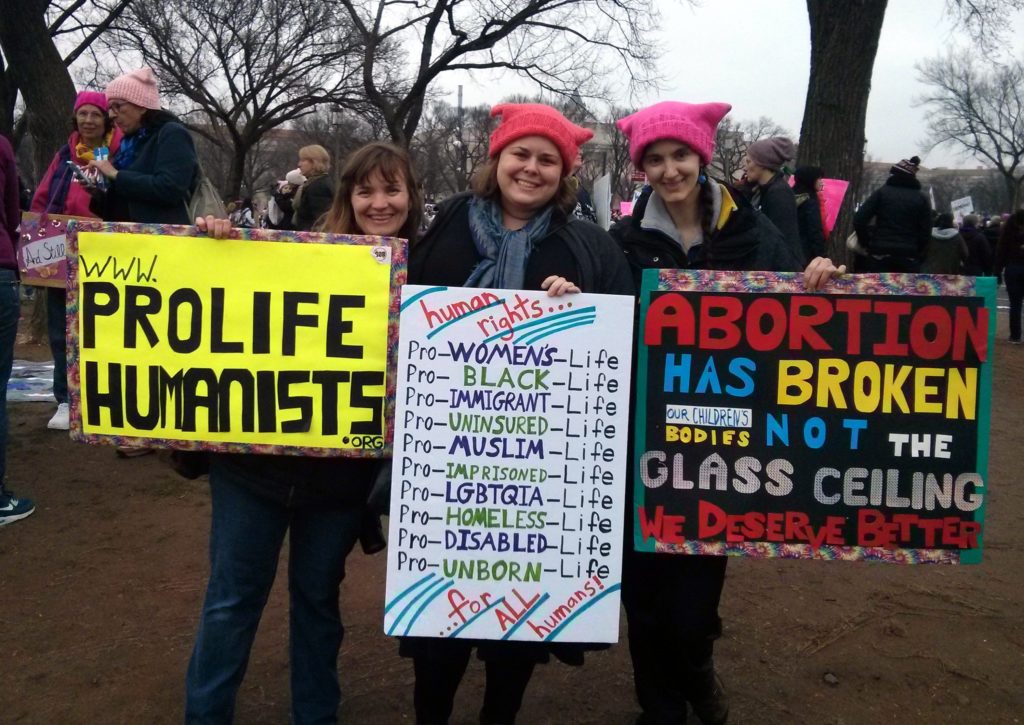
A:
x: 126, y: 115
x: 91, y: 123
x: 380, y: 206
x: 529, y: 172
x: 672, y: 169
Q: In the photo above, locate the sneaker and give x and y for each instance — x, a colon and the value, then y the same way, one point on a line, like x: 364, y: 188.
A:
x: 1014, y: 342
x: 61, y: 420
x: 712, y: 707
x: 12, y: 509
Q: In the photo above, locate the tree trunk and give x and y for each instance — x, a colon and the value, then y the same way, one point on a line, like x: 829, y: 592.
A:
x: 844, y: 42
x: 237, y: 172
x: 38, y: 70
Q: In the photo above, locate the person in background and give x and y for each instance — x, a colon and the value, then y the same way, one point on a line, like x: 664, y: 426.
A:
x: 514, y: 231
x: 764, y: 171
x: 686, y: 220
x: 807, y: 186
x: 151, y: 177
x: 318, y: 502
x: 279, y: 208
x: 93, y: 135
x: 894, y: 224
x: 1009, y: 267
x: 584, y: 204
x: 12, y: 508
x: 979, y: 251
x: 947, y: 250
x: 314, y: 197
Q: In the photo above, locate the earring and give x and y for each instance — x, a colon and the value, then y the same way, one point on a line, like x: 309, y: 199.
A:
x: 702, y: 179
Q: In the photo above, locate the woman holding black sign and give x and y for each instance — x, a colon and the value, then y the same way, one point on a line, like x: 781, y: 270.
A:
x: 515, y: 231
x: 319, y: 502
x: 686, y: 220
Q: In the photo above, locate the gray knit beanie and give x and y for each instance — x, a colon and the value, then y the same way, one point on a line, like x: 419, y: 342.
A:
x: 772, y: 153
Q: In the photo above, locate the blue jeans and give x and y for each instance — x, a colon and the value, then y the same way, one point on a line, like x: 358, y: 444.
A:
x: 245, y: 540
x: 56, y: 331
x: 10, y: 310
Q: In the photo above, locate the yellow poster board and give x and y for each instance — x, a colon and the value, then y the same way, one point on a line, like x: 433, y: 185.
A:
x: 272, y: 342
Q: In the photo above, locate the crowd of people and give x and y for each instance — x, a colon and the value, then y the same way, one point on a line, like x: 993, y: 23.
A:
x: 526, y: 224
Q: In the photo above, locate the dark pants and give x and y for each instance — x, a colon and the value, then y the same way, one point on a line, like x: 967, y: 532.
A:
x: 438, y: 677
x: 56, y: 331
x: 10, y: 310
x: 671, y: 603
x: 1013, y: 275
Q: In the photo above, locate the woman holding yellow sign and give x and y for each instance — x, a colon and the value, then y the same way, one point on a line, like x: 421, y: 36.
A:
x: 318, y: 502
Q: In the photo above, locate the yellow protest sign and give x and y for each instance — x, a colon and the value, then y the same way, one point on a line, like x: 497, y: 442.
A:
x: 268, y: 342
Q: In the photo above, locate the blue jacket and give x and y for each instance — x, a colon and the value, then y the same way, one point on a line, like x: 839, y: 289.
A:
x: 156, y: 187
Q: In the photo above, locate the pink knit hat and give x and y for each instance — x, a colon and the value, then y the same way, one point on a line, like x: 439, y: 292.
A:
x: 138, y: 87
x: 536, y: 119
x: 91, y: 98
x: 693, y: 124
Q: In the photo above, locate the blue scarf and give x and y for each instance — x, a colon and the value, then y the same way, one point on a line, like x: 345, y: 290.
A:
x: 503, y: 252
x: 126, y: 151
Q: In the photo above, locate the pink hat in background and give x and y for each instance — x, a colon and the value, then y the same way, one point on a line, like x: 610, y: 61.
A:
x: 693, y: 124
x: 519, y: 120
x: 138, y: 87
x: 91, y: 98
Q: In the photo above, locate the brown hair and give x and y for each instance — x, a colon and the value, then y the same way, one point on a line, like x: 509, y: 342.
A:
x: 485, y: 185
x: 390, y: 162
x: 318, y: 155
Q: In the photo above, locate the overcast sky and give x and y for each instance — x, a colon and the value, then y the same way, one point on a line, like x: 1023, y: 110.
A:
x: 755, y: 54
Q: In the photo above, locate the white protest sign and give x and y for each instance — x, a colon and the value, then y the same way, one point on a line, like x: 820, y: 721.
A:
x: 961, y: 207
x: 603, y: 200
x: 509, y: 466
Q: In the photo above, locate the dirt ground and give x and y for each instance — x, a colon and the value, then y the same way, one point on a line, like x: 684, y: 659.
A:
x: 100, y: 591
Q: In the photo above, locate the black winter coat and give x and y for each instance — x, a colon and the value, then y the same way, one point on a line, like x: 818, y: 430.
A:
x: 581, y: 252
x: 979, y: 258
x: 314, y: 202
x: 777, y: 201
x: 812, y: 234
x: 745, y: 240
x: 902, y: 217
x: 157, y: 186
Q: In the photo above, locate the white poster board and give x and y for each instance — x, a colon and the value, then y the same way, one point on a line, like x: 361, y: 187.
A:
x: 509, y: 466
x: 603, y: 201
x: 961, y: 208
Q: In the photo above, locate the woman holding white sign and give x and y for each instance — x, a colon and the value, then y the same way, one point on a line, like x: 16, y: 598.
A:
x: 686, y: 220
x: 319, y: 502
x: 515, y: 231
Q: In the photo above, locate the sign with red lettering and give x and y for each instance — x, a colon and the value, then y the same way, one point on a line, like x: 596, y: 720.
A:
x: 510, y: 457
x: 848, y: 425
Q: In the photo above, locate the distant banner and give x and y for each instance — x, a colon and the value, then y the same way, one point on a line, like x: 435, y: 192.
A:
x: 268, y: 342
x: 41, y: 249
x: 848, y: 425
x: 508, y: 479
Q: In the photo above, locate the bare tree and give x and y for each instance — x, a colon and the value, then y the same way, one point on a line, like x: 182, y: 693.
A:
x: 979, y: 111
x: 449, y: 147
x: 244, y: 67
x: 844, y: 42
x: 33, y: 67
x: 732, y: 139
x: 566, y: 46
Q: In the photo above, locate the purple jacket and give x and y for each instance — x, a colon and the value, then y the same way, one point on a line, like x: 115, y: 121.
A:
x: 10, y: 211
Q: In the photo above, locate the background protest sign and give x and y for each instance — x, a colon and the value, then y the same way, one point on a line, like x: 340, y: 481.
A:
x: 508, y: 474
x: 41, y: 249
x: 268, y: 342
x: 849, y: 425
